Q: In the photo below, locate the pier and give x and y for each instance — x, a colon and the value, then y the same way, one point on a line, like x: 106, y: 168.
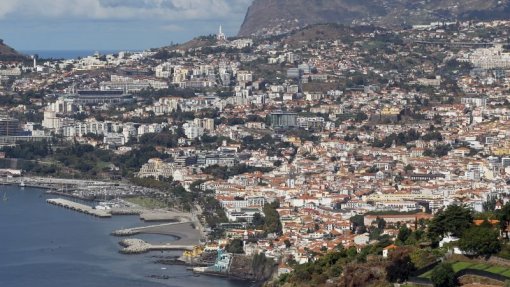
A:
x: 79, y: 207
x: 188, y: 237
x: 137, y: 246
x: 138, y: 230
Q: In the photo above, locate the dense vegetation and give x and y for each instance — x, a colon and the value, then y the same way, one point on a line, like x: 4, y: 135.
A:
x: 225, y: 172
x: 270, y: 223
x: 28, y: 150
x: 403, y: 138
x: 80, y: 160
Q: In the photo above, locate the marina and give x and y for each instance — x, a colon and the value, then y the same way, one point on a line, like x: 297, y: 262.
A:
x: 75, y: 188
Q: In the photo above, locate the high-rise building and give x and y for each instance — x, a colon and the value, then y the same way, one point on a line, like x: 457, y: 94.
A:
x: 283, y: 120
x: 9, y: 126
x: 206, y: 124
x: 192, y: 131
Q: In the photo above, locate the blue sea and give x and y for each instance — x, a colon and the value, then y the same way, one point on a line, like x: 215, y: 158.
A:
x: 66, y: 54
x: 49, y: 246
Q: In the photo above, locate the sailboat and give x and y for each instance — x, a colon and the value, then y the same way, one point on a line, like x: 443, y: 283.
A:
x: 5, y: 196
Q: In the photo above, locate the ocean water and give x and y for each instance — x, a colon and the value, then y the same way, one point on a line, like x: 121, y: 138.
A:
x: 45, y: 245
x: 66, y: 54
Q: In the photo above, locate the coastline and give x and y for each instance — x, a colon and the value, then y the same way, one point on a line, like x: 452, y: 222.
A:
x: 92, y: 190
x: 56, y: 246
x: 181, y: 225
x: 187, y: 237
x: 184, y: 229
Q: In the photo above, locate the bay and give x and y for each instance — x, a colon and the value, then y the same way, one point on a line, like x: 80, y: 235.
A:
x: 45, y: 245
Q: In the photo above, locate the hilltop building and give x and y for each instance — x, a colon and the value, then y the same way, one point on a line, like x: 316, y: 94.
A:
x: 221, y: 37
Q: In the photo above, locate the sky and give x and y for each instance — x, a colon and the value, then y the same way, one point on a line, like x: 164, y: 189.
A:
x: 114, y: 24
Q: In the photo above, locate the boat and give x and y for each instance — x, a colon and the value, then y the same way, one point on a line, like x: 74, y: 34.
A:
x: 22, y: 184
x: 103, y: 206
x: 5, y: 196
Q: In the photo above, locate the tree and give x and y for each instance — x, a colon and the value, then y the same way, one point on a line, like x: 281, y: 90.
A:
x: 272, y: 218
x: 357, y: 221
x: 373, y: 169
x: 381, y: 223
x: 360, y: 117
x: 404, y: 233
x: 481, y: 241
x: 422, y: 257
x: 504, y: 218
x: 490, y: 204
x: 28, y: 150
x: 258, y: 220
x: 454, y: 220
x: 235, y: 246
x: 443, y: 276
x: 262, y: 266
x: 400, y: 266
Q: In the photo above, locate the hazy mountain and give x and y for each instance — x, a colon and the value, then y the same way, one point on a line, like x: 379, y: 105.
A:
x: 7, y: 53
x: 280, y: 16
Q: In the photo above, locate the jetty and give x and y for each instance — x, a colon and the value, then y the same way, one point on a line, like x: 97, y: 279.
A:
x: 138, y: 230
x: 79, y: 207
x: 137, y: 246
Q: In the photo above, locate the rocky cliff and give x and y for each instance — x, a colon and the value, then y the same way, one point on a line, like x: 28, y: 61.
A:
x: 272, y: 17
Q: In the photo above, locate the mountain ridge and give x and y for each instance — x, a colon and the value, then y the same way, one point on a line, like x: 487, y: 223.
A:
x: 273, y: 17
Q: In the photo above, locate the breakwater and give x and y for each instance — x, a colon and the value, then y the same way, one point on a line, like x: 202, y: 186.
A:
x: 137, y: 246
x: 138, y: 230
x: 79, y: 207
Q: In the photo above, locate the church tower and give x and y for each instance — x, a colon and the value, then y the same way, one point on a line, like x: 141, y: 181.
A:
x: 221, y: 36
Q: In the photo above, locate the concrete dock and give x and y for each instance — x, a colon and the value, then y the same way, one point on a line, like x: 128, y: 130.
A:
x: 79, y: 207
x: 137, y: 246
x: 138, y: 230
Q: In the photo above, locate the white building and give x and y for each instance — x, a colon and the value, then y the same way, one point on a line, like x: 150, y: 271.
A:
x: 206, y: 124
x: 244, y: 76
x: 192, y: 131
x: 221, y: 37
x: 51, y: 121
x: 129, y: 85
x: 155, y: 167
x: 14, y: 72
x: 490, y: 58
x: 114, y: 139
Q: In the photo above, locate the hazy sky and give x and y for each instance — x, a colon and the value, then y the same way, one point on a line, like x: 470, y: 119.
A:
x: 114, y: 24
